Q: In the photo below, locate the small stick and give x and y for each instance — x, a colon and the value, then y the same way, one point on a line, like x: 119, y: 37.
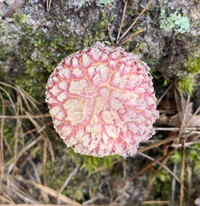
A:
x: 136, y: 20
x: 122, y: 21
x: 110, y: 35
x: 182, y: 176
x: 165, y: 92
x: 155, y: 202
x: 132, y: 35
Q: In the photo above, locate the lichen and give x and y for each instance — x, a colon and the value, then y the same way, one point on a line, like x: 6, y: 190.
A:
x: 174, y: 22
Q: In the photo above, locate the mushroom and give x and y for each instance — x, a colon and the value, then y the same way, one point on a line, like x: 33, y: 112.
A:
x: 102, y: 101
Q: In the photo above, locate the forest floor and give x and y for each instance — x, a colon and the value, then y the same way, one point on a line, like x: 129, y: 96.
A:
x: 35, y: 165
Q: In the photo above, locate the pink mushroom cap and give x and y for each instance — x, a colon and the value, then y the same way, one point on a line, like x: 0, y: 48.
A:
x: 102, y: 101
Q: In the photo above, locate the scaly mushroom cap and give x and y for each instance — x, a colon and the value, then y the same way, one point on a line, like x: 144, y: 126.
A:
x: 102, y: 101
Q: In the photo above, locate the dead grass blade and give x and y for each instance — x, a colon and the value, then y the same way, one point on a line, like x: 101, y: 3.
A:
x: 104, y: 167
x: 1, y: 142
x: 5, y: 200
x: 152, y: 202
x: 146, y: 194
x: 134, y: 22
x: 196, y: 112
x: 73, y: 173
x: 131, y: 35
x: 122, y: 21
x: 11, y: 162
x: 25, y: 116
x: 37, y: 176
x: 55, y: 194
x: 182, y: 176
x: 147, y: 167
x: 161, y: 142
x: 110, y: 36
x: 10, y: 99
x: 48, y: 5
x: 165, y: 92
x: 164, y: 166
x: 183, y: 123
x: 51, y: 151
x: 28, y: 99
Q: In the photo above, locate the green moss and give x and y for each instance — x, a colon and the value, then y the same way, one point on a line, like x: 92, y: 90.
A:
x: 186, y: 81
x: 37, y: 54
x: 90, y: 163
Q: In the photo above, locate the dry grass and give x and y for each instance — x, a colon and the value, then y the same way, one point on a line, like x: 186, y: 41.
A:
x: 22, y: 112
x: 30, y: 132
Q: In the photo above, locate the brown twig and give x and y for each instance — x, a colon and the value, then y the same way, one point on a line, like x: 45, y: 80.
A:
x: 165, y: 92
x: 157, y: 144
x: 25, y: 116
x: 110, y: 35
x: 131, y: 35
x: 1, y: 142
x: 135, y: 20
x: 147, y: 167
x: 152, y: 202
x: 182, y: 176
x: 122, y: 21
x: 154, y: 177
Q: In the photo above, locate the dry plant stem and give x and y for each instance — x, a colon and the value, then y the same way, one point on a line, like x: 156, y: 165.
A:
x: 73, y: 173
x: 182, y: 176
x: 173, y: 185
x: 16, y: 134
x: 1, y: 143
x: 103, y: 167
x: 10, y: 164
x: 190, y: 130
x: 183, y: 123
x: 178, y: 104
x: 53, y: 193
x: 49, y: 5
x: 155, y: 202
x: 12, y: 103
x: 110, y: 35
x: 27, y: 96
x: 37, y: 176
x: 25, y: 116
x: 157, y: 144
x: 186, y: 144
x: 159, y: 100
x: 146, y: 195
x: 130, y: 36
x: 23, y: 93
x: 145, y: 168
x: 196, y: 112
x: 122, y: 21
x: 44, y: 161
x: 189, y: 179
x: 135, y: 20
x: 164, y: 166
x: 88, y: 202
x: 4, y: 200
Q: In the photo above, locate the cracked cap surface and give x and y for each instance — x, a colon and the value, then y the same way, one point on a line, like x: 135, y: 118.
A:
x: 102, y: 101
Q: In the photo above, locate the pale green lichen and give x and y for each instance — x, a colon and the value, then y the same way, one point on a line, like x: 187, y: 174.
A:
x: 175, y: 22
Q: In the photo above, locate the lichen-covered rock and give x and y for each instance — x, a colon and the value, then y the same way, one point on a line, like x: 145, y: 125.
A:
x: 102, y: 101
